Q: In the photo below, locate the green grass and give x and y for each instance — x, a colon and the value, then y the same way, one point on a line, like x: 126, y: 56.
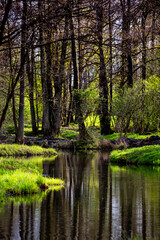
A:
x: 147, y: 155
x: 116, y: 136
x: 23, y: 150
x: 69, y: 133
x: 20, y: 177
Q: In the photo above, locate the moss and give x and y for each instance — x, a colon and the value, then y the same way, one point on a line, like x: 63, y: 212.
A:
x: 147, y: 155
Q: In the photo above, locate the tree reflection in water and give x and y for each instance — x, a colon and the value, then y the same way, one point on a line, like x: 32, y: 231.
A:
x: 99, y: 201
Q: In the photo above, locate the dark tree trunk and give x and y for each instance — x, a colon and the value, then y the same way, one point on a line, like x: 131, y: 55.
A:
x: 12, y: 80
x: 70, y: 108
x: 83, y: 134
x: 4, y: 20
x: 126, y: 65
x: 45, y: 119
x: 64, y: 101
x: 110, y: 54
x: 103, y: 83
x: 129, y: 49
x: 30, y: 73
x: 143, y: 47
x: 58, y: 84
x: 49, y: 131
x: 80, y: 57
x: 20, y: 132
x: 153, y: 69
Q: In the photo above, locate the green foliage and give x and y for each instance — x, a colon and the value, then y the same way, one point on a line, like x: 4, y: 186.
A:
x: 10, y: 129
x: 92, y: 121
x: 147, y: 155
x: 137, y: 109
x: 90, y: 100
x: 11, y: 140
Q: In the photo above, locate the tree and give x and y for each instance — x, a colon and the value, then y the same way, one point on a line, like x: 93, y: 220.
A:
x: 126, y: 65
x: 20, y: 132
x: 103, y: 83
x: 58, y: 83
x: 83, y: 134
x: 4, y: 20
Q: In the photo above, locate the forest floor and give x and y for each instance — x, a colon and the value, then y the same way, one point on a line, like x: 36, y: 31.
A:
x: 40, y: 141
x: 69, y: 139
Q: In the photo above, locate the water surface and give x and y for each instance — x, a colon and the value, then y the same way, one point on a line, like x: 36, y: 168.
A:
x: 99, y: 201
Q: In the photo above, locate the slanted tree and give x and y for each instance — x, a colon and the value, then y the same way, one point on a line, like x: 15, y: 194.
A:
x: 4, y: 19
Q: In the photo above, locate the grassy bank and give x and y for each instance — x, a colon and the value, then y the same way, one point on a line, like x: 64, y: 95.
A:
x: 147, y: 155
x: 23, y: 150
x: 20, y: 177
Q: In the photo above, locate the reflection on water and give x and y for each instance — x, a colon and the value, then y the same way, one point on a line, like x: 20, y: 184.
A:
x: 99, y: 201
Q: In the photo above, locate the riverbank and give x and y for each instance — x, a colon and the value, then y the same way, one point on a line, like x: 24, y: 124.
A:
x: 24, y: 150
x: 146, y: 155
x: 69, y: 140
x: 21, y: 177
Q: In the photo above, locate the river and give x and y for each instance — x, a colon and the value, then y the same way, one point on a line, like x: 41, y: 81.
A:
x: 99, y: 201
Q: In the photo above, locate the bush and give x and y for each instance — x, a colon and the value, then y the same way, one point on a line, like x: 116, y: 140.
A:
x: 137, y: 109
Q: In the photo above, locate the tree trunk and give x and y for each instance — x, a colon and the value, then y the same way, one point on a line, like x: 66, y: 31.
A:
x: 103, y: 83
x: 80, y: 58
x: 83, y: 134
x: 20, y: 132
x: 126, y: 66
x: 45, y: 119
x: 70, y: 108
x: 4, y: 20
x: 129, y: 48
x: 143, y: 47
x: 30, y: 73
x: 49, y: 131
x: 58, y: 84
x: 12, y: 80
x: 110, y: 54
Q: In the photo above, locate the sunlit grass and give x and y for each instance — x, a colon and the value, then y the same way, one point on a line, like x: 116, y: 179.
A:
x: 20, y: 177
x: 116, y: 136
x: 69, y: 133
x: 23, y: 150
x: 147, y: 155
x: 20, y: 182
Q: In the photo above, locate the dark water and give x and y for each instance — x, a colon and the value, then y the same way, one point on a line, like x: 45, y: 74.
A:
x: 99, y: 201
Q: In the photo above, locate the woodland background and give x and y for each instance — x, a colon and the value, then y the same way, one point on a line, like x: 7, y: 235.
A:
x: 64, y: 62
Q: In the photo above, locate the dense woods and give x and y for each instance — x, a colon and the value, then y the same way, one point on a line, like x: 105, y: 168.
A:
x: 66, y: 61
